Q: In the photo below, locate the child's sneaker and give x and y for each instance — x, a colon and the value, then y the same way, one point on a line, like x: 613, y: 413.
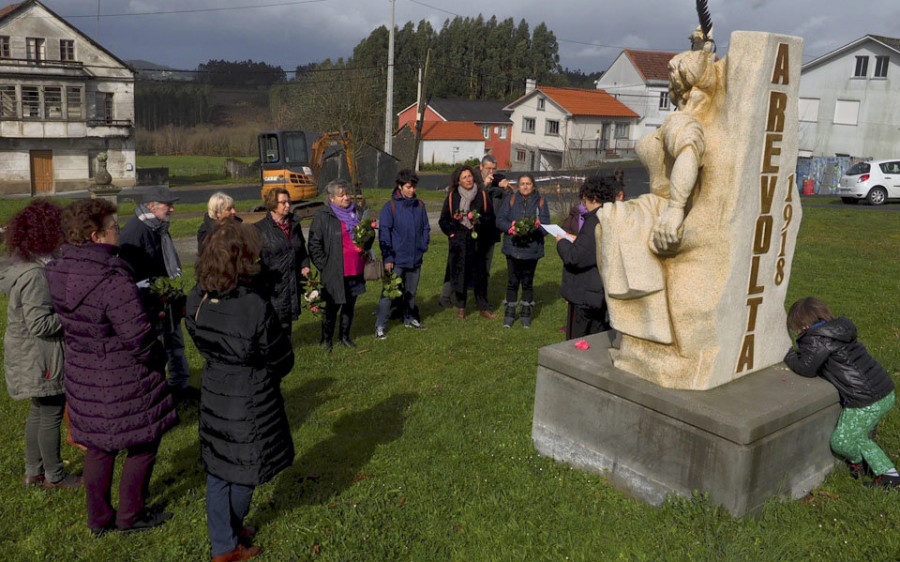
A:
x: 886, y: 481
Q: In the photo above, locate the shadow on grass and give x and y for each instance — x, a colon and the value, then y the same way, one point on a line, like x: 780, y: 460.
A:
x: 187, y: 473
x: 333, y: 465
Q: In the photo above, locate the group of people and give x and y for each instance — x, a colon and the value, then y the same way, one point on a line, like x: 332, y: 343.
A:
x: 92, y: 342
x: 93, y: 339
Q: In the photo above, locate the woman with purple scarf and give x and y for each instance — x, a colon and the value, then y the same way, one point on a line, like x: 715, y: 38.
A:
x: 339, y: 261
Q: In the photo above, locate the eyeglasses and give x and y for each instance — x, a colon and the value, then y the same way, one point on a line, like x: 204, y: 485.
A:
x: 284, y: 202
x: 114, y: 227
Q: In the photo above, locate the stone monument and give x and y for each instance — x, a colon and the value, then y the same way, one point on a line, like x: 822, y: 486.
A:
x: 694, y: 396
x: 103, y: 186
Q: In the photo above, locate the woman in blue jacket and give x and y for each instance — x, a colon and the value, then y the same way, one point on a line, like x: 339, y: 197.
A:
x: 522, y: 251
x: 403, y: 234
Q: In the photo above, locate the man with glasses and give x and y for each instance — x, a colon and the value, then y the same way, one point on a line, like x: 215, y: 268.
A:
x: 148, y: 248
x: 284, y: 258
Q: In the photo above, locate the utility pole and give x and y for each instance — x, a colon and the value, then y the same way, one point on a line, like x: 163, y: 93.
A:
x: 420, y: 110
x: 389, y: 103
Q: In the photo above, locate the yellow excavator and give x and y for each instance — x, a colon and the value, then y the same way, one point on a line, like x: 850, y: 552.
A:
x: 293, y: 160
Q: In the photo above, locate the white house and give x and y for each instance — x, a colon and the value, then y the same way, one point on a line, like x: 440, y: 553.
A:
x: 640, y: 80
x: 850, y: 100
x: 555, y: 128
x: 448, y: 142
x: 63, y: 100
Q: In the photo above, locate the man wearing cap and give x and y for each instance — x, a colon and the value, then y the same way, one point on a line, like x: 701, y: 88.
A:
x: 146, y: 245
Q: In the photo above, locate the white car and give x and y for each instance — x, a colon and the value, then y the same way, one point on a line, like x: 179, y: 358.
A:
x: 873, y: 181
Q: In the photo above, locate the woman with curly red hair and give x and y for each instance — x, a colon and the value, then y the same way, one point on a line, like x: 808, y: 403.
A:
x: 35, y: 370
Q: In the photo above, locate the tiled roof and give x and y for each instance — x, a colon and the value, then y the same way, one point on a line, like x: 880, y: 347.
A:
x: 579, y: 101
x: 8, y: 9
x: 653, y: 65
x: 451, y: 130
x: 477, y: 111
x: 889, y: 41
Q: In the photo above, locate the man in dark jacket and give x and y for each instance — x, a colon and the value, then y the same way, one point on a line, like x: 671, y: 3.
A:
x: 284, y: 258
x: 148, y: 248
x: 403, y: 234
x: 581, y: 284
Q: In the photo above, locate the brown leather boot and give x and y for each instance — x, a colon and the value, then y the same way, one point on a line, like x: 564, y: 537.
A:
x: 240, y: 552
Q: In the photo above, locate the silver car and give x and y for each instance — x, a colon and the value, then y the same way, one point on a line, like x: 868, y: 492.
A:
x: 873, y: 181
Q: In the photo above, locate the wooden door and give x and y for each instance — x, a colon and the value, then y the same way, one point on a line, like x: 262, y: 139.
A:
x: 41, y: 172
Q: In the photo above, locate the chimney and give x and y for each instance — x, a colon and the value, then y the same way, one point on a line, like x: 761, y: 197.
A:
x: 530, y: 85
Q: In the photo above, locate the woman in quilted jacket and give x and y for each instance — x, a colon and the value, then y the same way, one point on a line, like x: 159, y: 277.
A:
x: 114, y: 381
x: 245, y: 439
x: 34, y: 370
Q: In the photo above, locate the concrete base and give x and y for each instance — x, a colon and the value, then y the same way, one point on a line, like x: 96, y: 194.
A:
x: 762, y: 435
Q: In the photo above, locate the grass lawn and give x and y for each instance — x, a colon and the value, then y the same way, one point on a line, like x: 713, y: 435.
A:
x: 418, y: 447
x: 185, y: 170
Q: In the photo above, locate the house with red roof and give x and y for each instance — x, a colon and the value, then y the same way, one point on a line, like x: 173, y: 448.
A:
x: 446, y: 142
x: 64, y: 99
x: 487, y: 116
x: 556, y: 128
x: 640, y: 80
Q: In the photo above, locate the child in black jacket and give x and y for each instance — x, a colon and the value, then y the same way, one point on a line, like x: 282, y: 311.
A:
x: 827, y: 347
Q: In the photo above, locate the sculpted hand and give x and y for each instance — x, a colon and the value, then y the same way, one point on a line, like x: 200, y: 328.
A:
x: 667, y: 231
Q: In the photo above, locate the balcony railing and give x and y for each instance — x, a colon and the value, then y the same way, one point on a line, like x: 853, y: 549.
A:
x: 110, y: 123
x: 43, y: 63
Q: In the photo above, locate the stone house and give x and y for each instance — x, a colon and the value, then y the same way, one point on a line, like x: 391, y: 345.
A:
x: 63, y: 100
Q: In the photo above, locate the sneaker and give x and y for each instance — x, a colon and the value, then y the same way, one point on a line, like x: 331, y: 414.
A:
x: 69, y: 481
x: 379, y: 333
x: 413, y: 323
x: 885, y: 481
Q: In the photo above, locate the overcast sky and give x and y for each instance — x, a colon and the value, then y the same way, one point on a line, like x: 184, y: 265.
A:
x: 185, y: 33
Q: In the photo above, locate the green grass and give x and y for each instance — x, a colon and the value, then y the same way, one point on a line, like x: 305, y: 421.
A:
x: 419, y: 447
x: 187, y: 170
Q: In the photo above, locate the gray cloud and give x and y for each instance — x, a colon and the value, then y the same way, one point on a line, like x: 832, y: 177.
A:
x: 590, y: 34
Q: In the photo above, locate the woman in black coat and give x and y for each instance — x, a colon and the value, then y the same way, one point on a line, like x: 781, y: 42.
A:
x: 581, y: 284
x: 284, y: 258
x: 470, y: 240
x: 245, y: 439
x: 522, y: 251
x: 338, y: 259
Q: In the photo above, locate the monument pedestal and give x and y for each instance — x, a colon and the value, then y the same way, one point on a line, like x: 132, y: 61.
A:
x: 762, y: 435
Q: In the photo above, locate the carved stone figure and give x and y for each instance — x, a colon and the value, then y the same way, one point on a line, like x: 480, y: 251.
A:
x: 101, y: 175
x: 696, y: 270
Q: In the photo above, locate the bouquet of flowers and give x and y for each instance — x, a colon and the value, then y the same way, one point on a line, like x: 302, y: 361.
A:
x: 474, y: 216
x: 391, y: 285
x: 166, y: 301
x: 363, y: 232
x: 524, y: 227
x: 312, y: 297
